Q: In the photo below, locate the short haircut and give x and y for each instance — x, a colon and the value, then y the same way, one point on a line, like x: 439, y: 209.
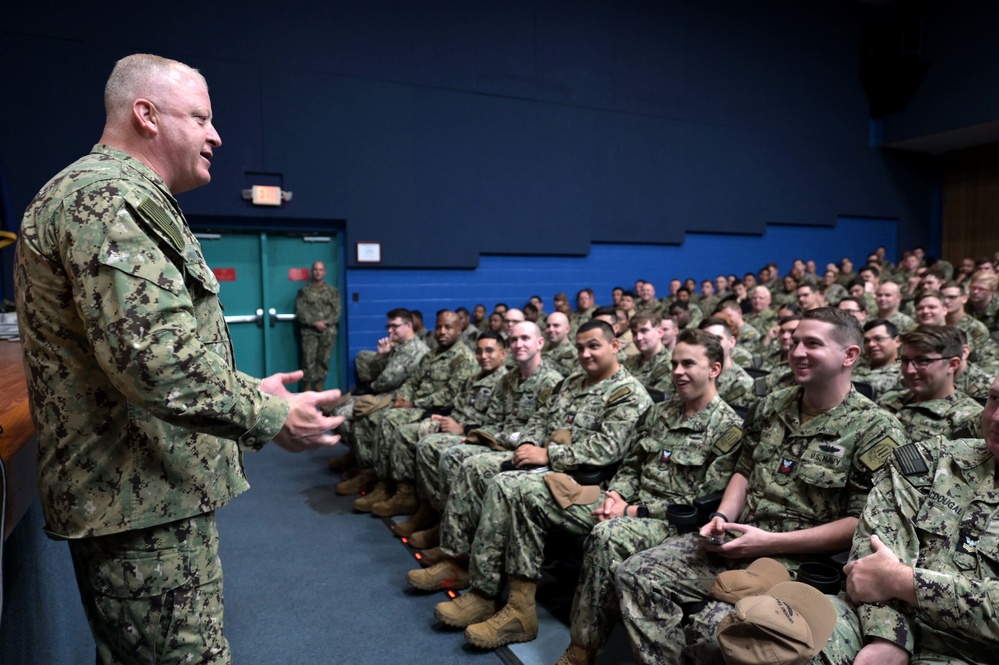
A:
x: 650, y: 316
x: 935, y: 272
x: 629, y: 293
x: 944, y: 340
x: 679, y: 304
x: 791, y: 306
x: 927, y: 294
x: 139, y: 75
x: 492, y: 334
x: 597, y: 324
x: 890, y: 327
x: 608, y: 310
x: 955, y: 285
x: 461, y: 310
x: 538, y: 297
x: 728, y: 303
x: 846, y: 328
x: 684, y: 289
x: 587, y: 290
x: 989, y: 278
x: 855, y: 301
x: 710, y: 344
x: 400, y: 313
x: 788, y: 319
x: 716, y: 321
x: 871, y: 269
x: 530, y: 308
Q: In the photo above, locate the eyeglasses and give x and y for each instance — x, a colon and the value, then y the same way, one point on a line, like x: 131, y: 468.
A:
x: 921, y: 362
x: 394, y: 326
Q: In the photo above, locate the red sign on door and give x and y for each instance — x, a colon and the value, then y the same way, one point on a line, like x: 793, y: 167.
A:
x: 298, y: 274
x: 225, y: 274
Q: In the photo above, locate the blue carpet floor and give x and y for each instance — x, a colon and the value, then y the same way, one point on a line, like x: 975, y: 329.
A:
x: 308, y: 581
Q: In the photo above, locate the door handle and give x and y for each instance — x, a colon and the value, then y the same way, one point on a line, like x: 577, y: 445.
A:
x: 257, y: 318
x: 275, y: 317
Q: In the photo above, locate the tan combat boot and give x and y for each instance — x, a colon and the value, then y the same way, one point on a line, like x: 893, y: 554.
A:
x: 424, y: 540
x: 516, y: 622
x: 432, y: 556
x: 577, y: 655
x: 362, y: 482
x: 424, y: 518
x: 342, y: 462
x: 466, y: 609
x: 403, y: 502
x: 448, y: 574
x: 306, y: 386
x: 364, y: 503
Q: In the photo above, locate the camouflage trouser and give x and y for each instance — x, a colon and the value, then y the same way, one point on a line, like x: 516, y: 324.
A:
x: 464, y: 504
x: 654, y: 584
x: 400, y: 445
x: 595, y: 606
x: 388, y: 427
x: 368, y: 432
x: 316, y: 351
x: 154, y: 595
x: 841, y: 649
x: 429, y: 451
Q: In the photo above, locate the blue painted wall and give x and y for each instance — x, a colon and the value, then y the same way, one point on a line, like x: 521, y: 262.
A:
x: 514, y: 279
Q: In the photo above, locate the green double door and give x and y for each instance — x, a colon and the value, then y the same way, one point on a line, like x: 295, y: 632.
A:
x: 259, y: 276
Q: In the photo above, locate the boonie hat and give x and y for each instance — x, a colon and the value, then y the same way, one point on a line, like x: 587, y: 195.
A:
x: 788, y: 625
x: 757, y: 579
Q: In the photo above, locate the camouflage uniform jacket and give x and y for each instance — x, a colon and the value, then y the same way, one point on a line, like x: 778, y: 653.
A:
x: 883, y: 379
x: 437, y: 379
x: 675, y: 459
x: 935, y: 505
x: 317, y: 302
x: 563, y: 357
x: 990, y: 317
x: 657, y: 374
x: 804, y: 475
x: 736, y: 387
x: 398, y: 364
x: 515, y: 401
x: 472, y: 402
x: 974, y: 382
x: 130, y: 370
x: 750, y: 338
x: 950, y: 416
x: 600, y: 419
x: 834, y: 293
x: 903, y: 322
x: 764, y: 320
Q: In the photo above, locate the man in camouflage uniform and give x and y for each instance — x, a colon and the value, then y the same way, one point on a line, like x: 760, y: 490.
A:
x: 985, y: 353
x: 397, y: 462
x: 780, y: 375
x: 762, y: 317
x: 140, y: 411
x: 560, y: 349
x: 746, y: 335
x: 983, y: 301
x: 587, y: 422
x: 881, y: 344
x: 889, y: 298
x: 800, y: 484
x: 317, y: 308
x: 431, y: 387
x: 439, y: 456
x: 683, y: 448
x: 924, y: 565
x: 652, y: 364
x: 647, y: 298
x: 735, y: 386
x: 396, y: 357
x: 931, y: 405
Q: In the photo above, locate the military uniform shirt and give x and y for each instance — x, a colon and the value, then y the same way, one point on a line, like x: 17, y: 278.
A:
x: 950, y: 416
x: 399, y: 364
x: 438, y: 377
x: 516, y: 400
x: 130, y: 370
x: 656, y: 374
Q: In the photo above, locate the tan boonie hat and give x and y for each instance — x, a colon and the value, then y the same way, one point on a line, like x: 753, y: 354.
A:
x: 366, y: 404
x: 762, y: 574
x: 428, y: 426
x: 480, y: 437
x: 788, y: 625
x: 562, y: 437
x: 567, y: 492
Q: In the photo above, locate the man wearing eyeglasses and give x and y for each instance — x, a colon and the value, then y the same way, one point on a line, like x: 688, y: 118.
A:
x: 984, y: 351
x: 931, y: 405
x: 983, y: 302
x: 881, y: 350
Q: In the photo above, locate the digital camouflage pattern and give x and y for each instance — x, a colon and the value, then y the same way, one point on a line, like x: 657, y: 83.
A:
x: 934, y: 507
x: 317, y: 302
x: 974, y: 382
x: 884, y: 379
x: 799, y: 476
x: 990, y: 316
x: 154, y: 595
x: 470, y: 406
x: 736, y: 387
x: 133, y: 388
x: 953, y: 416
x: 656, y: 374
x: 392, y: 369
x: 432, y: 386
x: 764, y: 320
x: 600, y: 420
x: 439, y: 456
x: 563, y: 357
